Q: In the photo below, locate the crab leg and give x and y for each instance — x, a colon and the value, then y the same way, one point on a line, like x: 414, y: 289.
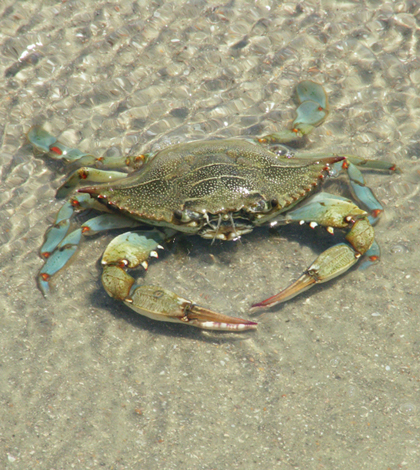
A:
x: 312, y: 111
x: 131, y: 249
x: 59, y: 246
x: 59, y: 258
x: 45, y: 143
x: 350, y: 163
x: 56, y: 233
x: 359, y: 190
x: 331, y: 212
x: 86, y: 174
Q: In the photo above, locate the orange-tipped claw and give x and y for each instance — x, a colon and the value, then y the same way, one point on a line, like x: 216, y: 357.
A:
x: 302, y: 284
x: 329, y: 264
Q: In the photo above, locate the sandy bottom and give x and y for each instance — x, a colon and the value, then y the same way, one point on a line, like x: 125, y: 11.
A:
x: 329, y: 380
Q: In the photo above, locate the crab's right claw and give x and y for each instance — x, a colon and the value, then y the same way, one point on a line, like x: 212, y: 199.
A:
x: 163, y: 305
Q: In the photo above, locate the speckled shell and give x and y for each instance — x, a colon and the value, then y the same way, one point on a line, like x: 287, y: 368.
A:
x: 211, y: 178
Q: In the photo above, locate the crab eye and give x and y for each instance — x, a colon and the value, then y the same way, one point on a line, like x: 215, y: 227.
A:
x: 186, y: 215
x: 260, y: 206
x: 178, y: 214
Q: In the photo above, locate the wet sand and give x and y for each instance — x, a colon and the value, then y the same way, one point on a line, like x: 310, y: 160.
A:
x: 329, y: 380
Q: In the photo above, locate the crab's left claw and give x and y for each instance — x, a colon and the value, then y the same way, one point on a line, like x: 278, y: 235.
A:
x: 336, y: 260
x: 330, y: 264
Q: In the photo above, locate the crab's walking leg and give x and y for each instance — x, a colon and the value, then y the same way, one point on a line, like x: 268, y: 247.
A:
x: 351, y: 165
x: 59, y: 245
x: 59, y: 258
x: 45, y: 143
x: 360, y: 191
x: 86, y: 174
x: 312, y: 111
x: 331, y: 212
x: 131, y: 249
x: 363, y: 194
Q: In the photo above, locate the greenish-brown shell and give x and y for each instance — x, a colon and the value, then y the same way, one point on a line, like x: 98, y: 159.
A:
x: 198, y: 181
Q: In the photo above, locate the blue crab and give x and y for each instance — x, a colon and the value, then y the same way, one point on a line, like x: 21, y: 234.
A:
x: 219, y: 189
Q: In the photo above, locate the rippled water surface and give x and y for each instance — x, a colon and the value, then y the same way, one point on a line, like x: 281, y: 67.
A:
x: 330, y: 380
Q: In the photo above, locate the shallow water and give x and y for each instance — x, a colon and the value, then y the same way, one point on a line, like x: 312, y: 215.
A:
x: 329, y: 380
